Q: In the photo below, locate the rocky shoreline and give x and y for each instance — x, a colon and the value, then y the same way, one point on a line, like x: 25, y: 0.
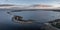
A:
x: 49, y: 26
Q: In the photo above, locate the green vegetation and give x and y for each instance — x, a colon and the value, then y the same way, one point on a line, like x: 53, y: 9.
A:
x: 55, y: 23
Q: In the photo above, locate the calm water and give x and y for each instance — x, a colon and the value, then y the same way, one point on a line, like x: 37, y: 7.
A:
x: 6, y: 22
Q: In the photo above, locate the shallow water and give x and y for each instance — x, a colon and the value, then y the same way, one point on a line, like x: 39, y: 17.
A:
x: 6, y: 22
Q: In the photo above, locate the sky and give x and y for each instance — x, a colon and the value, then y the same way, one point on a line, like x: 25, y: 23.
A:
x: 31, y: 2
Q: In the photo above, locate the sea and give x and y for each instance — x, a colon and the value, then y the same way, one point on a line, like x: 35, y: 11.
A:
x: 39, y: 16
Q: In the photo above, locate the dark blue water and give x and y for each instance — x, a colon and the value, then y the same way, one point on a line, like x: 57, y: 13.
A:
x: 6, y: 22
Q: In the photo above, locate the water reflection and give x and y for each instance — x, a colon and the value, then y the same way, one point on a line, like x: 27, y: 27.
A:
x: 37, y: 16
x: 18, y: 19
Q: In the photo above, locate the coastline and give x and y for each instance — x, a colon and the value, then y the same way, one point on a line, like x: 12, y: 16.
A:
x: 49, y: 26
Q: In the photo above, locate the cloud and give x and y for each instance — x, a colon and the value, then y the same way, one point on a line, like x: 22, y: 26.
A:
x: 18, y: 7
x: 6, y: 5
x: 40, y: 6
